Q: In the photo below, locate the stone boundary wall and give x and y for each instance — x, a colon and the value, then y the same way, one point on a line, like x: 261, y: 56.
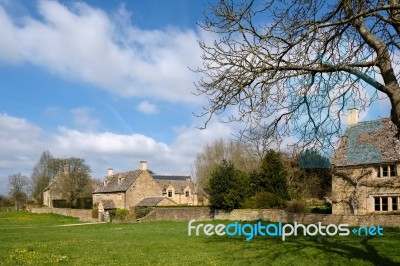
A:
x: 178, y: 214
x: 204, y: 213
x: 83, y: 215
x: 308, y: 218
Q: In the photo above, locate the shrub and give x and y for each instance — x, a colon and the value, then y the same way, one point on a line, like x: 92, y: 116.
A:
x: 95, y: 213
x: 61, y: 204
x: 142, y: 212
x: 111, y: 213
x: 265, y: 200
x: 297, y: 206
x: 121, y: 214
x: 84, y: 203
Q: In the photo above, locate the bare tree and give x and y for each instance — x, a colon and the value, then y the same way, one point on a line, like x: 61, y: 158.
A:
x: 294, y: 67
x: 18, y: 184
x: 213, y: 154
x: 41, y: 176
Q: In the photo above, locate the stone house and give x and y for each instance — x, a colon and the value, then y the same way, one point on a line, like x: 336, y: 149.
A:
x: 366, y: 168
x: 180, y: 189
x: 52, y: 191
x: 140, y: 188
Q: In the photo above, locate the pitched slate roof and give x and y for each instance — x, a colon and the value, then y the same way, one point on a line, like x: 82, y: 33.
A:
x: 171, y: 177
x: 370, y: 142
x: 108, y: 204
x: 179, y: 183
x: 153, y: 201
x: 113, y: 184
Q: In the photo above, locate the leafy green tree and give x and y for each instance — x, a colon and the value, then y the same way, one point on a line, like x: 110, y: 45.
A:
x: 312, y: 177
x: 228, y: 187
x: 312, y: 159
x: 271, y: 177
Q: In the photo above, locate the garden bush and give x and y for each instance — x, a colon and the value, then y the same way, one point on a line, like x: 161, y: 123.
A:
x: 121, y: 214
x: 265, y: 200
x: 297, y: 206
x: 141, y: 212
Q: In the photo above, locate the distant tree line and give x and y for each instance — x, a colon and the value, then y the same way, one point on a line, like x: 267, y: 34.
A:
x: 236, y: 178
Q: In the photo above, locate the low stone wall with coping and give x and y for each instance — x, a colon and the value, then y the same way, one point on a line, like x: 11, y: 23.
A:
x: 83, y: 215
x: 204, y: 213
x: 386, y: 220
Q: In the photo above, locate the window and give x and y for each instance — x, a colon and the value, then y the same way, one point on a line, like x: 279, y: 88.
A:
x: 169, y: 193
x: 187, y: 194
x: 393, y: 170
x: 395, y: 204
x: 384, y: 204
x: 377, y: 204
x: 386, y: 171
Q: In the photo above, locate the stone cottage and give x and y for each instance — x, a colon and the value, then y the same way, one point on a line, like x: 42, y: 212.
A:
x: 140, y: 188
x: 366, y: 168
x: 52, y: 191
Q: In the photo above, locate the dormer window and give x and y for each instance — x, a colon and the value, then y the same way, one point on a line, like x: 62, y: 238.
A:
x: 387, y: 170
x: 187, y: 193
x: 169, y: 193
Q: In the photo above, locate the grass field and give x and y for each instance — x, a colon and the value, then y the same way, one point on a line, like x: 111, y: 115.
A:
x: 35, y: 239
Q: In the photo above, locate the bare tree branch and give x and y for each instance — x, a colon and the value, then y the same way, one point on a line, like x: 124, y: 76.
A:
x: 294, y: 68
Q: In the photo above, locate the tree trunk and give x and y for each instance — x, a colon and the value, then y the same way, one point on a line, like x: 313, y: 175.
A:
x: 395, y: 112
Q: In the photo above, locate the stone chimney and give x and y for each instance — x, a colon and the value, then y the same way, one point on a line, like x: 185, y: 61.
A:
x: 143, y: 165
x: 65, y: 169
x: 352, y: 116
x: 110, y: 172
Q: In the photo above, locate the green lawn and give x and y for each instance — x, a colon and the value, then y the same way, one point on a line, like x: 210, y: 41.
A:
x: 33, y: 239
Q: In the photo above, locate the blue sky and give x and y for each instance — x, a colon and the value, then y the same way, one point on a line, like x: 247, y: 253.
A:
x: 107, y: 81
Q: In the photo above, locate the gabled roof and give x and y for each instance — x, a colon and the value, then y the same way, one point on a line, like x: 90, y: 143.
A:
x: 108, y: 204
x: 171, y: 177
x: 179, y: 183
x: 153, y: 201
x: 113, y: 184
x: 53, y: 181
x: 370, y: 142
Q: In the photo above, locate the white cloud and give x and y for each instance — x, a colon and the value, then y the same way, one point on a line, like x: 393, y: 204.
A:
x: 21, y: 144
x: 86, y: 44
x: 106, y: 143
x: 147, y: 107
x: 18, y: 135
x: 82, y: 119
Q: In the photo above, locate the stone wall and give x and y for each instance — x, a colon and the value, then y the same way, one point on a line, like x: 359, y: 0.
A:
x: 178, y: 214
x: 308, y: 218
x: 362, y: 195
x: 204, y: 213
x: 83, y: 215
